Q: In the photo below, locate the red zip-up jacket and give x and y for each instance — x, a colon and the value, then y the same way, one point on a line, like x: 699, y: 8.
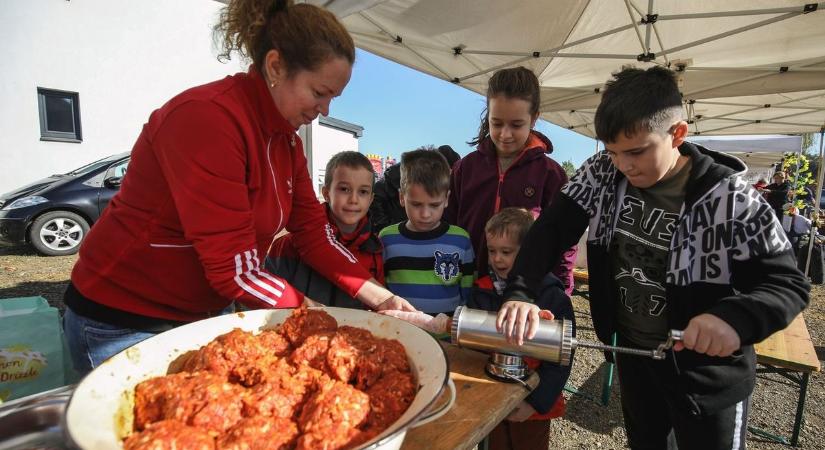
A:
x: 215, y: 174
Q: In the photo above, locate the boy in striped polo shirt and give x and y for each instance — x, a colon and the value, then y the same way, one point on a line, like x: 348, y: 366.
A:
x: 427, y: 261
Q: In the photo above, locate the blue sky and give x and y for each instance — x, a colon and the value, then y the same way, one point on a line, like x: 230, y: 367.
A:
x: 401, y: 109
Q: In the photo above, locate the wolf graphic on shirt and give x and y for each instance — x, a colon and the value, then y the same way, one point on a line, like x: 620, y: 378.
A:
x: 447, y: 265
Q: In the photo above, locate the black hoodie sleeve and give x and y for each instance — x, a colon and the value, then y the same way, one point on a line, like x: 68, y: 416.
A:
x: 552, y: 377
x: 558, y: 228
x: 769, y: 289
x: 771, y: 292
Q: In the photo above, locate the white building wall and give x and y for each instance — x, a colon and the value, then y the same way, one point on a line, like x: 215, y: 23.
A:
x: 327, y: 141
x: 124, y: 58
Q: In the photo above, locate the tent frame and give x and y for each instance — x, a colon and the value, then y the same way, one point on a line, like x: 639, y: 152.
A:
x: 645, y: 23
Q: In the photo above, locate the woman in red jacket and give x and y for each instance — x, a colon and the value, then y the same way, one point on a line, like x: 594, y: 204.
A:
x: 215, y: 175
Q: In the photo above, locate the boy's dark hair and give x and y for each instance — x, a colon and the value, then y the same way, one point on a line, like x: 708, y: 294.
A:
x: 427, y: 168
x: 353, y: 160
x: 516, y: 82
x: 513, y: 222
x: 638, y: 100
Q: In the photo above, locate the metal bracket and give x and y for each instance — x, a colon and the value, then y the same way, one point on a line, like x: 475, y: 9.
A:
x: 646, y: 57
x: 649, y: 19
x: 673, y: 337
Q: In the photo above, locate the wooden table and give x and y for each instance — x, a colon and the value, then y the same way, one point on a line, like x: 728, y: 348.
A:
x: 790, y: 354
x: 481, y: 403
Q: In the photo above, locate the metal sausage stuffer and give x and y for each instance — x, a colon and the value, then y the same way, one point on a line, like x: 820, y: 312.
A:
x: 554, y: 342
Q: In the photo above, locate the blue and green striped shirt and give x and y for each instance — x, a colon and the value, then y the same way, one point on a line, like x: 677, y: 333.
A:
x: 433, y: 270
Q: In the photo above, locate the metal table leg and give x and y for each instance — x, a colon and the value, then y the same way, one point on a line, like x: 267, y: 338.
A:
x: 800, y: 408
x: 607, y: 382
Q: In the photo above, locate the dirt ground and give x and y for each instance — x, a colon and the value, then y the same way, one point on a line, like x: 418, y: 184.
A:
x: 588, y: 424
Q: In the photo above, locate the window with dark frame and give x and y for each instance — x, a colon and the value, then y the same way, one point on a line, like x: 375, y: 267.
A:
x: 59, y: 115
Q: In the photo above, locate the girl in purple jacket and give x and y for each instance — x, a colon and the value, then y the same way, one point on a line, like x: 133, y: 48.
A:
x: 510, y: 167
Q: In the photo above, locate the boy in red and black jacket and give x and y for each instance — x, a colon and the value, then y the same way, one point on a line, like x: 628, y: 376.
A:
x: 348, y: 192
x: 527, y: 427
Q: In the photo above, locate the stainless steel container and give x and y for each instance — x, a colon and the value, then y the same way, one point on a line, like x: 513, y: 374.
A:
x: 35, y: 421
x: 476, y: 329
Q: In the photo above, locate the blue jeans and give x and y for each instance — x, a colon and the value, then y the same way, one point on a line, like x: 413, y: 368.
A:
x: 91, y: 342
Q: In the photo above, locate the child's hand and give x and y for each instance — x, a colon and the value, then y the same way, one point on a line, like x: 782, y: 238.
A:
x: 710, y: 335
x: 522, y: 412
x: 435, y: 325
x: 520, y: 320
x: 395, y: 302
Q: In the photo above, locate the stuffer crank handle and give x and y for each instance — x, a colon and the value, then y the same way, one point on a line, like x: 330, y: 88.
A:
x: 657, y: 353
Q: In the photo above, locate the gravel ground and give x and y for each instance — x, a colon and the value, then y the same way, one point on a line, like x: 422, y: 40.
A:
x: 587, y: 424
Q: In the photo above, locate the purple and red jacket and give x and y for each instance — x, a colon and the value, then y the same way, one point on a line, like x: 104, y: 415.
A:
x: 479, y: 189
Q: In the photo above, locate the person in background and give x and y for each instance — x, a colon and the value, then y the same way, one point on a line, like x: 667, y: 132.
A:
x: 510, y: 167
x: 449, y: 154
x: 426, y: 260
x: 760, y: 185
x: 386, y: 208
x: 347, y: 192
x: 776, y: 193
x: 528, y: 426
x: 652, y: 201
x: 215, y: 175
x: 795, y: 225
x: 808, y: 199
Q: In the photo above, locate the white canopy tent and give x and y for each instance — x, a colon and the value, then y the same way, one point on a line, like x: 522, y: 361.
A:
x: 747, y: 66
x: 759, y: 152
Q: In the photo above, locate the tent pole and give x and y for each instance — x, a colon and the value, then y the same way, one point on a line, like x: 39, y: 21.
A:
x: 648, y: 26
x: 746, y: 12
x: 716, y: 37
x: 636, y: 27
x: 818, y: 199
x: 796, y: 174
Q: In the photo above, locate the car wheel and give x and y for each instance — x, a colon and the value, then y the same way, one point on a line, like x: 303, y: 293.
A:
x: 58, y: 233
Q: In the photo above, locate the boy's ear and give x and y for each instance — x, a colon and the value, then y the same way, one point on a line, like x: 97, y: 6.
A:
x: 401, y: 198
x: 680, y: 132
x: 325, y: 193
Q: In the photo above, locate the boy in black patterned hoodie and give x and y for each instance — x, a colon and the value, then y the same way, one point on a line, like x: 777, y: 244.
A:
x: 677, y: 240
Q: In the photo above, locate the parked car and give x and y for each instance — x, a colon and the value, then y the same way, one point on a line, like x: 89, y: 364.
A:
x: 54, y: 214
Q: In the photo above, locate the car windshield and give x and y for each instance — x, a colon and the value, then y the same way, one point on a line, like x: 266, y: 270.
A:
x: 96, y: 165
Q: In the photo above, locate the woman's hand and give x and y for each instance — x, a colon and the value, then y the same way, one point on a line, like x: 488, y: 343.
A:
x: 378, y: 298
x: 435, y: 325
x: 395, y: 303
x: 520, y: 320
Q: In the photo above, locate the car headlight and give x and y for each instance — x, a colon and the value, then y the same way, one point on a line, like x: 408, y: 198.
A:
x: 26, y: 201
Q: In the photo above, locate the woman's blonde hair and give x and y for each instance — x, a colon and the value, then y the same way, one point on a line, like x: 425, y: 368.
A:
x: 305, y: 35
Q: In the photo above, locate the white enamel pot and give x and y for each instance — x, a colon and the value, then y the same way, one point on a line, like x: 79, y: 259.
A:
x: 99, y: 414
